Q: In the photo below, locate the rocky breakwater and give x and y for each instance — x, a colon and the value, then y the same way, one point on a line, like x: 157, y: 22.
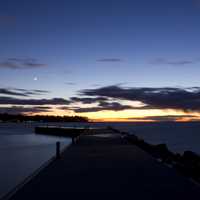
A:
x: 187, y: 163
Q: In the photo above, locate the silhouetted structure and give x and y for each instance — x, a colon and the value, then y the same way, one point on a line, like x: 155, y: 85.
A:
x: 41, y: 118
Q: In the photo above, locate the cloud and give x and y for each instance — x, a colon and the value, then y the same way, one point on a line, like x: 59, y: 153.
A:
x: 87, y: 100
x: 95, y: 85
x: 165, y: 118
x: 21, y: 92
x: 163, y: 61
x: 23, y: 110
x: 6, y: 91
x: 40, y: 91
x: 18, y: 63
x: 186, y: 99
x: 16, y: 101
x: 112, y: 106
x: 44, y: 107
x: 70, y: 83
x: 110, y: 60
x: 64, y: 108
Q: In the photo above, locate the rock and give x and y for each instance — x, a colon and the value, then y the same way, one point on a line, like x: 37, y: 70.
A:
x: 190, y: 156
x: 162, y: 151
x: 113, y: 129
x: 132, y: 138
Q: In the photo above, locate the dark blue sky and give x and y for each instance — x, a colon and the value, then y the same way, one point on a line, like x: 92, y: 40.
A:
x: 68, y: 45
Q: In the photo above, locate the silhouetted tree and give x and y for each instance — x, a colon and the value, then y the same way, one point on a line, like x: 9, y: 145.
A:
x: 41, y: 118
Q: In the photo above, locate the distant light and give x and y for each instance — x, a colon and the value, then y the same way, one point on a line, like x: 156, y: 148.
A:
x: 35, y: 78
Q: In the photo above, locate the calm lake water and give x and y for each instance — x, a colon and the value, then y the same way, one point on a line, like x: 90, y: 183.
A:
x: 22, y: 152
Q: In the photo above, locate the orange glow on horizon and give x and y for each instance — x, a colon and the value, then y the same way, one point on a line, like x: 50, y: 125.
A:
x: 128, y: 115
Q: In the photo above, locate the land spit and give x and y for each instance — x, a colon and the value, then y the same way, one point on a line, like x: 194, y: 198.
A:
x: 107, y: 167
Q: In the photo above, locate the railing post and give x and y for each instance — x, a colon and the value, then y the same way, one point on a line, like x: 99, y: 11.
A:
x: 57, y: 150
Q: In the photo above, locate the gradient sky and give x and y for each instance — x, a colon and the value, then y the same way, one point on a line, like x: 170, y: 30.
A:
x: 65, y: 46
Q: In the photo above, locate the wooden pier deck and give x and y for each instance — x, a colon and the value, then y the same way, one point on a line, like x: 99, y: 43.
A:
x: 107, y: 168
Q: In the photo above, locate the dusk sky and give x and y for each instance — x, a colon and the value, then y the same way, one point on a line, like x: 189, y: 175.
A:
x: 108, y: 59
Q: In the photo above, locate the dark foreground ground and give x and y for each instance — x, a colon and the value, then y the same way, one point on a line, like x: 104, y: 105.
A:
x: 107, y: 168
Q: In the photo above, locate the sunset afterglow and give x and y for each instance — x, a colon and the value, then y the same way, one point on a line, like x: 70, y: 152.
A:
x: 138, y: 62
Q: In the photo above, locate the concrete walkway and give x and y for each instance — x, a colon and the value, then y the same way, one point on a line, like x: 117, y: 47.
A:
x: 107, y: 168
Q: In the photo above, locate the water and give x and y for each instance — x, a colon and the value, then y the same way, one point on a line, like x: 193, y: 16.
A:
x: 178, y: 136
x: 22, y: 152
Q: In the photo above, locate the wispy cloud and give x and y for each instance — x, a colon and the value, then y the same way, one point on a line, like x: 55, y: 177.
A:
x: 110, y: 60
x: 21, y: 63
x: 23, y: 110
x: 70, y: 83
x: 163, y: 61
x: 17, y: 101
x: 95, y: 85
x: 165, y: 118
x: 6, y: 91
x: 21, y: 92
x: 103, y: 106
x: 87, y: 100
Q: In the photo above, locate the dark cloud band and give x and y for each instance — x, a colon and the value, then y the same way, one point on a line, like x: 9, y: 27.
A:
x: 104, y: 106
x: 88, y: 100
x: 16, y: 101
x: 187, y: 99
x: 21, y: 92
x: 165, y: 118
x: 23, y: 110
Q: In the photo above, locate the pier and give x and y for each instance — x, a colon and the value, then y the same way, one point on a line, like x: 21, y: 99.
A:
x: 107, y: 167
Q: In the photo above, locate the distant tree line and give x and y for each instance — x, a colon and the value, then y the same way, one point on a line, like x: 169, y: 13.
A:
x: 41, y: 118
